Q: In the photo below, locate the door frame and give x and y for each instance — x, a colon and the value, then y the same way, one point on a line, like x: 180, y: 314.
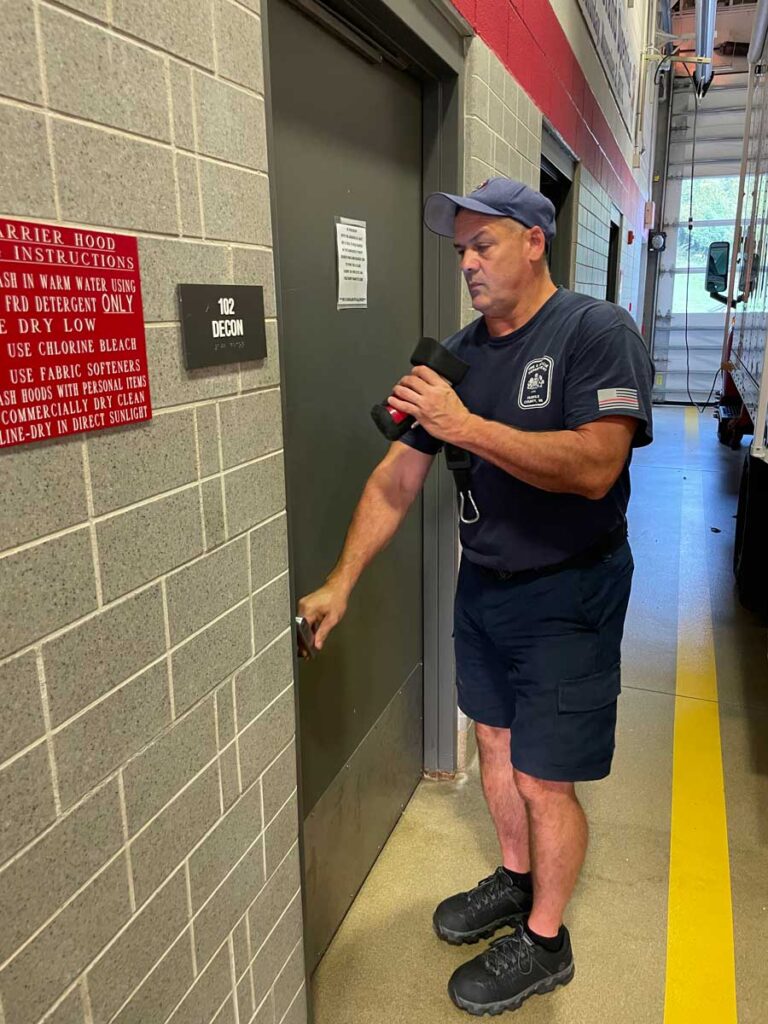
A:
x: 432, y: 37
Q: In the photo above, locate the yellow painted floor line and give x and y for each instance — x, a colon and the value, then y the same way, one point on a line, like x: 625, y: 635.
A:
x: 701, y: 977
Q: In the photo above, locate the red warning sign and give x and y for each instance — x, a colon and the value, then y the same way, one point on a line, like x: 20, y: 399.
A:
x: 72, y: 346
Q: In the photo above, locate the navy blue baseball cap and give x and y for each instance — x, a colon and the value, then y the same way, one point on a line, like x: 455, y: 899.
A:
x: 497, y: 197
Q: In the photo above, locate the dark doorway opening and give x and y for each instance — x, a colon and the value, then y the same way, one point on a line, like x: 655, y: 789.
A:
x: 557, y: 187
x: 612, y: 285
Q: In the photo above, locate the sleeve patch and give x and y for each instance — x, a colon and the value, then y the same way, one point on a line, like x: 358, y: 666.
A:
x: 615, y: 399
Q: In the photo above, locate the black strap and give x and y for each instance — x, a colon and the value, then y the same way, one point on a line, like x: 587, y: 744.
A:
x: 460, y: 464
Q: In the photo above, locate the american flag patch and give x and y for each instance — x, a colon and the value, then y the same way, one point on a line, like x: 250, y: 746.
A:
x: 618, y: 398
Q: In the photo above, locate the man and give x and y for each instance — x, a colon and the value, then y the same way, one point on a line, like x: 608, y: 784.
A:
x: 557, y: 394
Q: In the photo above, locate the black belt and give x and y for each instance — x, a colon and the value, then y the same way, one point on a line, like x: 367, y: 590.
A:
x: 606, y: 545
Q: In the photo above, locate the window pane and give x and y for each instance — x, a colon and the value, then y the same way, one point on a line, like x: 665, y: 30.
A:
x: 713, y: 198
x: 699, y: 300
x: 701, y: 237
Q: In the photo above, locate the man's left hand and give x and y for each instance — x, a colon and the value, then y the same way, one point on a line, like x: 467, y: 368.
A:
x: 433, y: 403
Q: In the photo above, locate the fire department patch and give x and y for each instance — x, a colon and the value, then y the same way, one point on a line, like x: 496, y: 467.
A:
x: 536, y: 385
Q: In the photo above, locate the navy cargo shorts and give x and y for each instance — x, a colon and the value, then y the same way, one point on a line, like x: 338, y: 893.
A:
x: 542, y: 658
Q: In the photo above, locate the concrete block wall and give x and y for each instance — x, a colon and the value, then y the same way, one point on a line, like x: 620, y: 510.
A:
x: 148, y: 824
x: 502, y: 129
x: 590, y: 248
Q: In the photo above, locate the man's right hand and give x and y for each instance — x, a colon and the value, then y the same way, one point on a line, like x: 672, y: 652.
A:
x: 323, y: 609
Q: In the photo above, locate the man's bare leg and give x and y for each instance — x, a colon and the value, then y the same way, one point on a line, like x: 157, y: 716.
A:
x: 558, y: 844
x: 505, y: 803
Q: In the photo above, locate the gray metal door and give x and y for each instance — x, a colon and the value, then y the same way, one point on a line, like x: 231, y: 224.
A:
x: 347, y: 140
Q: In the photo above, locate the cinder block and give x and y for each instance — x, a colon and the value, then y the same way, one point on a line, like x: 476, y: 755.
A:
x: 91, y: 162
x: 279, y: 891
x: 477, y: 98
x: 163, y: 845
x: 281, y: 834
x: 99, y: 741
x: 222, y: 911
x: 181, y: 98
x: 36, y: 885
x: 230, y: 780
x: 238, y: 45
x: 498, y: 74
x: 289, y: 981
x: 240, y: 946
x: 230, y: 122
x: 95, y: 656
x: 182, y: 29
x: 164, y: 987
x: 144, y: 460
x: 511, y: 94
x: 269, y: 551
x: 96, y: 8
x: 271, y: 612
x: 80, y: 58
x: 209, y: 992
x: 225, y: 711
x: 206, y: 588
x: 21, y: 709
x: 210, y: 657
x: 478, y: 59
x: 279, y: 782
x: 478, y: 139
x: 510, y: 128
x: 213, y: 513
x: 26, y: 798
x: 253, y: 493
x: 235, y: 204
x: 297, y: 1014
x: 145, y: 542
x: 19, y: 68
x: 259, y: 683
x: 154, y: 777
x: 275, y: 952
x: 256, y: 266
x: 168, y: 263
x: 266, y: 1012
x: 25, y: 165
x: 233, y: 835
x: 262, y: 373
x: 265, y: 737
x: 44, y: 587
x: 208, y: 439
x: 250, y: 427
x: 226, y: 1014
x: 70, y: 1011
x: 189, y: 195
x: 42, y: 489
x: 44, y: 968
x: 171, y: 384
x: 148, y: 937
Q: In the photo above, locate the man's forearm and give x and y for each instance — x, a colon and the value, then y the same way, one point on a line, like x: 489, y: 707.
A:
x: 561, y: 461
x: 379, y: 513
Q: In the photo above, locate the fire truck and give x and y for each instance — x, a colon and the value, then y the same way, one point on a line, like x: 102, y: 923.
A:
x: 738, y: 276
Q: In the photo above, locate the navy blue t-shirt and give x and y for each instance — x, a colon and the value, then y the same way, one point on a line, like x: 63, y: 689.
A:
x: 576, y: 360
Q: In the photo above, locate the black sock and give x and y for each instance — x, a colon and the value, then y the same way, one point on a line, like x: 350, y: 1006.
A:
x: 522, y: 879
x: 551, y: 945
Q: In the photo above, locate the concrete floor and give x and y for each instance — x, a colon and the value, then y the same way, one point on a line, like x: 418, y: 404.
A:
x: 386, y: 966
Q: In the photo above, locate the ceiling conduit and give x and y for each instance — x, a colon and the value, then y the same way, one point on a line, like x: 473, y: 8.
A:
x: 757, y: 47
x: 706, y: 11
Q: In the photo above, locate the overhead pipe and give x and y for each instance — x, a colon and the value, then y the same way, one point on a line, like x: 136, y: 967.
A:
x: 757, y: 46
x: 706, y: 14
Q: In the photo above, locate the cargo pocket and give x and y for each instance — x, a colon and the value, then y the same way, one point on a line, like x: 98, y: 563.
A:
x: 586, y: 722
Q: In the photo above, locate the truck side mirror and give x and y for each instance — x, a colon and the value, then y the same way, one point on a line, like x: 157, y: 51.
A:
x: 717, y: 267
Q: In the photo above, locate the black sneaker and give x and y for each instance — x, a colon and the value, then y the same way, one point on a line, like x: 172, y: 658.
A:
x: 511, y: 969
x: 469, y: 916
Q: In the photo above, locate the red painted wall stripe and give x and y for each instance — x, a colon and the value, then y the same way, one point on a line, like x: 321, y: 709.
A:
x: 529, y: 40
